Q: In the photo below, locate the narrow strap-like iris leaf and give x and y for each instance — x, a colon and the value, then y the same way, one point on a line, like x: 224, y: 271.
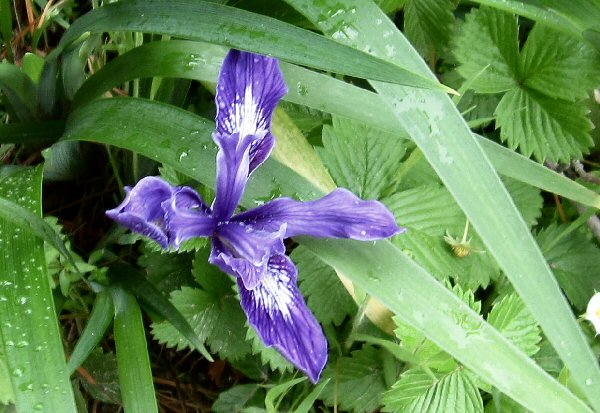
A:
x: 101, y: 317
x: 19, y: 90
x: 216, y: 23
x: 31, y: 222
x: 163, y: 132
x: 28, y: 324
x: 135, y: 375
x: 172, y: 59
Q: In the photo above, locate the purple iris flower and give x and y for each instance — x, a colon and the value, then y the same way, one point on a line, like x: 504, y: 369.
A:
x: 250, y: 245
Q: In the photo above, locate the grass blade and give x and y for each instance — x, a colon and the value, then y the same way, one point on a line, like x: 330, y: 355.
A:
x: 101, y: 317
x: 216, y: 23
x: 135, y: 375
x: 29, y: 327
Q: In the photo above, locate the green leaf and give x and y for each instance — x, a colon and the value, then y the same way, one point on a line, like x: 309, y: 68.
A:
x: 172, y: 59
x: 440, y: 132
x: 98, y: 322
x: 357, y: 382
x: 418, y: 392
x: 236, y: 398
x: 361, y: 158
x: 280, y: 390
x: 321, y: 286
x: 545, y: 127
x: 162, y: 132
x: 135, y: 375
x: 152, y: 298
x: 430, y: 209
x: 33, y: 348
x: 558, y: 65
x: 428, y: 24
x: 6, y: 391
x: 32, y: 223
x: 575, y: 260
x: 215, y: 23
x: 19, y: 90
x: 489, y: 41
x: 528, y: 200
x: 217, y: 320
x: 514, y: 320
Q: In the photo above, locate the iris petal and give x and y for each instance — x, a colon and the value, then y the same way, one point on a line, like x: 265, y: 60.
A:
x: 141, y: 211
x: 243, y: 251
x: 341, y: 214
x: 187, y: 216
x: 249, y: 88
x: 278, y: 312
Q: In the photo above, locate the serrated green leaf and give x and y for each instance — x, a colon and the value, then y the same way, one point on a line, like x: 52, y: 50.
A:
x: 528, y: 199
x: 513, y: 319
x: 547, y: 128
x: 321, y: 286
x: 428, y: 353
x: 558, y: 65
x: 217, y: 320
x: 268, y: 355
x: 361, y: 158
x: 235, y: 398
x: 430, y: 209
x: 417, y: 392
x: 502, y: 404
x: 489, y: 39
x: 429, y: 24
x: 575, y: 260
x: 357, y: 382
x: 135, y: 282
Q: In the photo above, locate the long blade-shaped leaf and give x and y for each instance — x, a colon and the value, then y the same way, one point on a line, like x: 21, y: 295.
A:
x: 29, y: 326
x: 216, y: 23
x: 171, y: 59
x: 19, y: 89
x: 441, y: 133
x: 164, y: 133
x: 135, y: 375
x: 101, y: 317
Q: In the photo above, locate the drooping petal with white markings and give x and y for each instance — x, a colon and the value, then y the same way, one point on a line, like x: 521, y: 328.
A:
x: 278, y: 312
x: 341, y: 214
x: 249, y: 88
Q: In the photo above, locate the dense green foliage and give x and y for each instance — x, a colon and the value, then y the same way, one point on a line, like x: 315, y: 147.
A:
x: 472, y: 121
